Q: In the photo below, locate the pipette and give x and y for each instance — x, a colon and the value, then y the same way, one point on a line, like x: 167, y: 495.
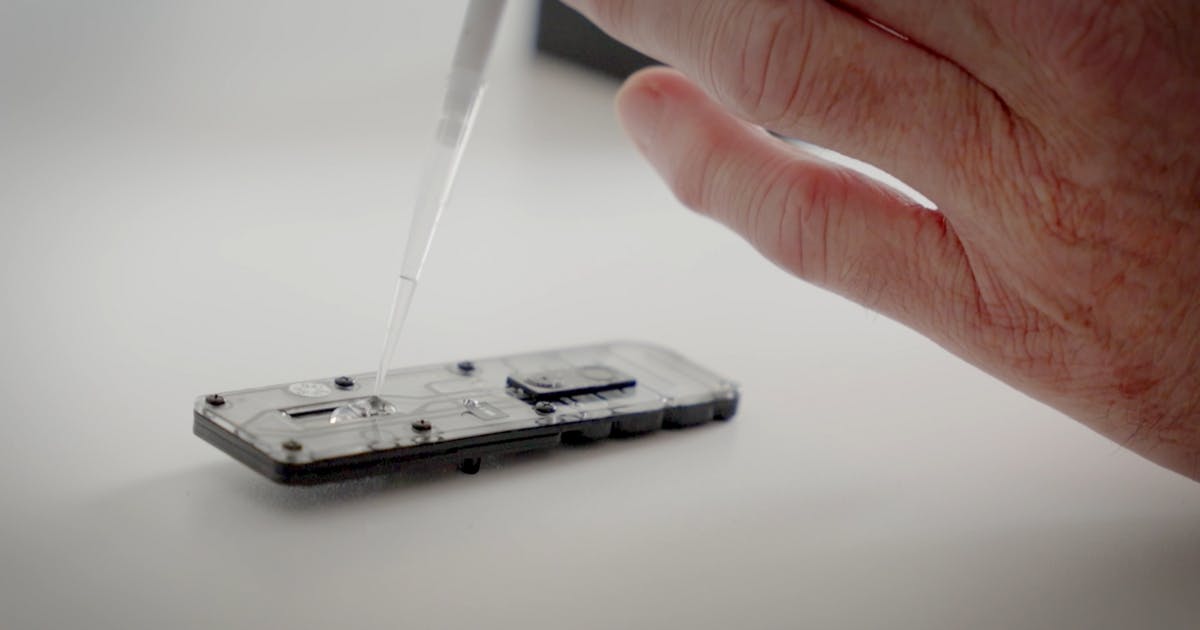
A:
x: 463, y: 93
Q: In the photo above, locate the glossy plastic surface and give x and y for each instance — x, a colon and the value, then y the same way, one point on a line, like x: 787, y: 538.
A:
x: 464, y: 410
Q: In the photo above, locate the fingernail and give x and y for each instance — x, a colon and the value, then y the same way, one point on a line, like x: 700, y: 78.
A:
x: 641, y: 110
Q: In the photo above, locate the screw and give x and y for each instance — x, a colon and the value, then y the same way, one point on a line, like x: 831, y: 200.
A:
x: 292, y: 445
x: 544, y: 382
x: 421, y: 425
x: 344, y: 382
x: 466, y: 367
x: 216, y: 400
x: 544, y: 407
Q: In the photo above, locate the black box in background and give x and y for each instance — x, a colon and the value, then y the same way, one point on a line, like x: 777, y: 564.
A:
x: 564, y: 33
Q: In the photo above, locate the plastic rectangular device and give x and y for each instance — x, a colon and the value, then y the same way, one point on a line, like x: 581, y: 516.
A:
x: 294, y: 433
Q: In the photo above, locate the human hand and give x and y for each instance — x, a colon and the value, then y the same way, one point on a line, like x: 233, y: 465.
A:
x: 1060, y: 141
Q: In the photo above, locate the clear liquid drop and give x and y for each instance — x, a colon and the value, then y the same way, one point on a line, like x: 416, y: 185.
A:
x: 361, y: 409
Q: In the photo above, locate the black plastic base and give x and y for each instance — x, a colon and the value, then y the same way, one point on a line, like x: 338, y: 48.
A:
x: 467, y: 453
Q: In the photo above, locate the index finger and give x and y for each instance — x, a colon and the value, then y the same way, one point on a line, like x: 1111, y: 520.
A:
x: 808, y: 70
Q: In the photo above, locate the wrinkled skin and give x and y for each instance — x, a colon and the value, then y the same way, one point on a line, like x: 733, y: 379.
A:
x: 1059, y: 140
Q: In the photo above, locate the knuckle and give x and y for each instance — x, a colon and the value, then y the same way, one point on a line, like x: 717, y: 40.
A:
x: 801, y: 234
x: 784, y: 82
x: 774, y: 78
x: 762, y: 217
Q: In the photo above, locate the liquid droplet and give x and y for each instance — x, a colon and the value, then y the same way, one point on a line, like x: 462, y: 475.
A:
x: 361, y: 409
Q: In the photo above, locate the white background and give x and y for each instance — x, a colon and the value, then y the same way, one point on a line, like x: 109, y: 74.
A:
x: 202, y: 196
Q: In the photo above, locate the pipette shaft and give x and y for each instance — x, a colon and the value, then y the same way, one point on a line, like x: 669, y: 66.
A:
x: 463, y: 93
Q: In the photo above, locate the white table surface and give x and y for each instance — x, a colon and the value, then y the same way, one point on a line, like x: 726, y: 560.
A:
x: 205, y: 196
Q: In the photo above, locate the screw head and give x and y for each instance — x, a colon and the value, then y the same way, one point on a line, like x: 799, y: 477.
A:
x: 421, y: 425
x: 466, y: 367
x: 292, y: 445
x: 544, y: 407
x: 344, y: 382
x: 543, y: 381
x: 216, y: 400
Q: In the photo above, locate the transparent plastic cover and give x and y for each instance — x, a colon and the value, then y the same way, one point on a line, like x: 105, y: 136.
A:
x: 296, y: 422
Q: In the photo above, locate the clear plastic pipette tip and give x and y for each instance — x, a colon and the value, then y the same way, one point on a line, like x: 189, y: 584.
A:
x: 463, y: 93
